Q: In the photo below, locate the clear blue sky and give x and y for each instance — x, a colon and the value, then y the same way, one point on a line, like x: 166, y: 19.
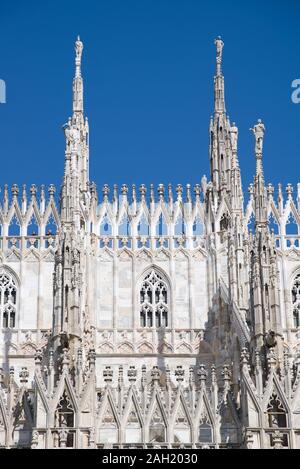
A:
x: 148, y: 71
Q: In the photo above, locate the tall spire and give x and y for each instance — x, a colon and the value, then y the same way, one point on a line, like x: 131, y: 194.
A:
x: 219, y: 78
x: 76, y: 177
x: 219, y: 128
x: 78, y: 82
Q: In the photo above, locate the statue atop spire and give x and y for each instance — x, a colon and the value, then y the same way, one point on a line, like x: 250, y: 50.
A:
x: 78, y: 50
x: 78, y: 82
x: 219, y: 97
x: 259, y: 131
x: 259, y: 184
x: 219, y: 45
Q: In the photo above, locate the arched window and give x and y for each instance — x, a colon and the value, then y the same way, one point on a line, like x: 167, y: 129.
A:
x: 296, y: 301
x: 276, y: 413
x: 277, y: 418
x: 8, y: 300
x: 154, y: 301
x: 205, y: 432
x: 64, y: 417
x: 205, y: 429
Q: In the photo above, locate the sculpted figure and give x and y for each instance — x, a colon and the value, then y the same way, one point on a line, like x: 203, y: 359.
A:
x: 234, y: 136
x: 270, y: 339
x: 78, y: 49
x: 219, y: 44
x: 258, y: 131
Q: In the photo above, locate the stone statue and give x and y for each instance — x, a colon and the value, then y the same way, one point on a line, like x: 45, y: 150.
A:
x: 259, y: 131
x: 72, y: 135
x: 270, y: 339
x: 78, y: 49
x: 234, y: 136
x: 219, y: 44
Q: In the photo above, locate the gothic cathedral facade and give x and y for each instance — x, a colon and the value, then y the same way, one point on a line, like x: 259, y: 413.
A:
x: 151, y: 317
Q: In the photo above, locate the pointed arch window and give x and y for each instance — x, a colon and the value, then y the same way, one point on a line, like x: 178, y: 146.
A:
x: 64, y: 415
x: 276, y: 413
x: 291, y: 227
x: 51, y: 226
x: 8, y: 300
x: 296, y: 301
x: 133, y: 430
x: 154, y: 297
x: 157, y: 427
x: 205, y: 430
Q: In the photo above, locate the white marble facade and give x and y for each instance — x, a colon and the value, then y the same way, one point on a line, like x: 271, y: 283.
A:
x: 150, y: 317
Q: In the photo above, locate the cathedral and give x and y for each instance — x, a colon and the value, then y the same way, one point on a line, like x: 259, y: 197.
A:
x: 151, y: 317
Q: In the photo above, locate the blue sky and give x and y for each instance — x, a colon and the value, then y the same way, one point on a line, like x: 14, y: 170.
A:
x: 148, y: 71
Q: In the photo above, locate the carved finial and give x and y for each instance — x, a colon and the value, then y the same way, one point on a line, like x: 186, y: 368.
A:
x: 65, y: 359
x: 124, y: 190
x: 179, y: 191
x: 168, y: 375
x: 161, y: 190
x: 244, y: 357
x: 179, y: 373
x: 33, y: 190
x: 170, y: 193
x: 155, y: 374
x: 15, y: 190
x: 133, y: 193
x: 152, y: 193
x: 120, y: 377
x: 51, y: 358
x: 51, y: 190
x: 42, y: 192
x: 115, y: 192
x: 132, y: 374
x: 144, y: 377
x: 202, y: 375
x: 11, y: 374
x: 108, y: 375
x: 24, y: 195
x: 143, y: 191
x: 24, y: 374
x: 197, y: 190
x: 93, y: 190
x: 251, y: 189
x: 289, y: 189
x: 191, y: 375
x: 188, y: 193
x: 270, y: 190
x: 105, y: 191
x: 213, y: 374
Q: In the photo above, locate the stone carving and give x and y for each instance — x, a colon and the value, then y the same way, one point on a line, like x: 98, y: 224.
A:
x: 259, y: 131
x: 234, y: 136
